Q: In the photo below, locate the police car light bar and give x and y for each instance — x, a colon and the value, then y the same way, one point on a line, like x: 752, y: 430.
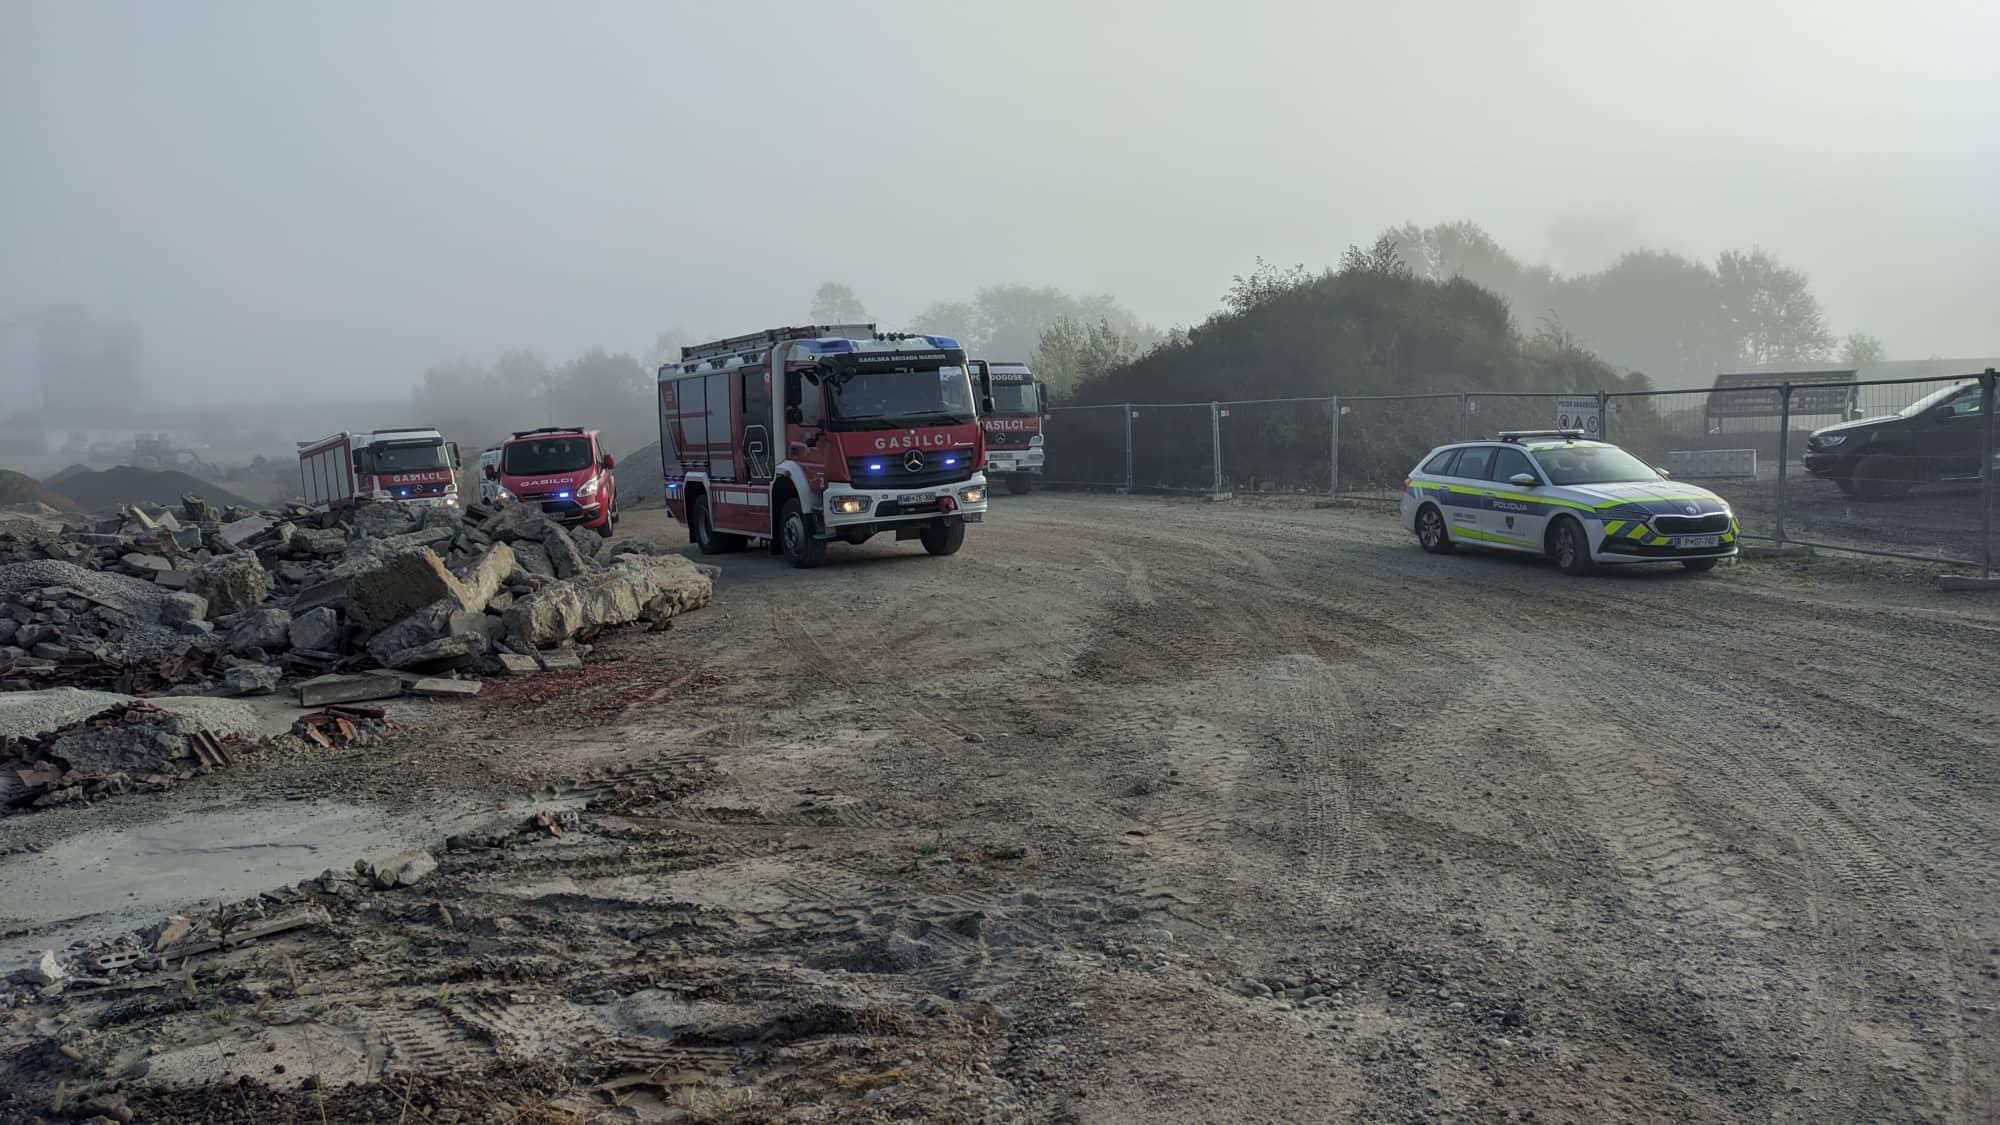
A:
x: 1517, y: 435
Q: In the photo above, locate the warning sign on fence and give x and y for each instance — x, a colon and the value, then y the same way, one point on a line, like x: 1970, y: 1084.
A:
x: 1579, y: 412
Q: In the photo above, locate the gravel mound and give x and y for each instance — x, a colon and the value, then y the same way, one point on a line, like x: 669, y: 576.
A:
x: 28, y: 714
x: 19, y: 488
x: 139, y: 598
x: 640, y: 479
x: 126, y: 485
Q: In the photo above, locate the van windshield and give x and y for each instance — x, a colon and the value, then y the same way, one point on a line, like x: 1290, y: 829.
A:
x: 550, y: 455
x: 410, y: 457
x: 876, y: 400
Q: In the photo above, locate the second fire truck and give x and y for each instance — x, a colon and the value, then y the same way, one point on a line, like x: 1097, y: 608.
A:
x: 1014, y: 425
x: 803, y: 436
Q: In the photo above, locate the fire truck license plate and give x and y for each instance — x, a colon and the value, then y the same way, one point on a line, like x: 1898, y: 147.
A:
x: 918, y: 499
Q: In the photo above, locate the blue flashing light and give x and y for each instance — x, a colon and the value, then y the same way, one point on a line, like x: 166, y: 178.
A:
x: 405, y: 492
x: 875, y: 466
x: 951, y: 460
x: 829, y: 345
x: 944, y: 342
x: 562, y: 495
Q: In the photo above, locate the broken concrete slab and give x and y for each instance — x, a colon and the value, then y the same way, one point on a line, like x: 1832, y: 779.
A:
x: 564, y: 556
x: 322, y: 690
x: 147, y: 565
x: 251, y: 678
x: 242, y: 531
x: 381, y: 592
x: 232, y: 584
x: 172, y: 579
x: 562, y: 659
x: 516, y: 664
x: 262, y: 628
x: 402, y: 869
x: 43, y: 972
x: 635, y: 587
x: 442, y: 686
x: 444, y: 653
x: 316, y: 630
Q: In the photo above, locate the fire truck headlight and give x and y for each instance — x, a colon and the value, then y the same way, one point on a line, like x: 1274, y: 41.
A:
x: 850, y: 505
x: 1035, y: 441
x: 974, y: 495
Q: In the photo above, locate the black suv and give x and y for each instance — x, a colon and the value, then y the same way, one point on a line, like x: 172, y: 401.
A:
x: 1936, y: 438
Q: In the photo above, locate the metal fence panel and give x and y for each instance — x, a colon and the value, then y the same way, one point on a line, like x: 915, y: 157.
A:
x: 1173, y: 447
x: 1277, y: 446
x: 1084, y: 446
x: 1382, y: 438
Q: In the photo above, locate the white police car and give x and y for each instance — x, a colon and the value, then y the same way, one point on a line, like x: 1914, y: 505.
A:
x: 1550, y: 492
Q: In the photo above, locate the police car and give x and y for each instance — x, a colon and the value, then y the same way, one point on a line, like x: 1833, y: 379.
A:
x: 1583, y: 503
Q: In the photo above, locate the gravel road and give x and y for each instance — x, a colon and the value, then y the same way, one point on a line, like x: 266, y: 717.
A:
x: 1144, y: 811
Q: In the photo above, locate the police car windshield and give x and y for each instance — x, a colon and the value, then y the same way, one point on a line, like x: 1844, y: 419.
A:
x: 1593, y: 464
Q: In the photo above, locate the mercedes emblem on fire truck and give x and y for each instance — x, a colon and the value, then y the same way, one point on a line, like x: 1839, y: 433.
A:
x: 913, y: 461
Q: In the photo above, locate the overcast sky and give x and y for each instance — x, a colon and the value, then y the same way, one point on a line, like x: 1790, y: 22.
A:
x: 296, y: 197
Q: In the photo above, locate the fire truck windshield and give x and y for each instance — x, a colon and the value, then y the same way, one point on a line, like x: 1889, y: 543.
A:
x: 554, y: 455
x: 1016, y: 398
x: 937, y: 396
x: 409, y: 457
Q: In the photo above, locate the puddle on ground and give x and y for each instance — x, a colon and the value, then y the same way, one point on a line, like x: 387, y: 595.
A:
x: 99, y: 883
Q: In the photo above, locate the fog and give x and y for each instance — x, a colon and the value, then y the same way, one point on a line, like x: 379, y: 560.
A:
x: 321, y: 201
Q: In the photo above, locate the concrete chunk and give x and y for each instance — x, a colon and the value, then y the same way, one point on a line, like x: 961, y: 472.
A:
x: 633, y: 588
x: 243, y: 531
x: 516, y: 664
x: 232, y: 584
x: 562, y: 659
x: 321, y: 691
x: 442, y: 686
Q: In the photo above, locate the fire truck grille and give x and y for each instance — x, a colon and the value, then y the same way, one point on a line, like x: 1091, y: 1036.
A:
x: 887, y: 470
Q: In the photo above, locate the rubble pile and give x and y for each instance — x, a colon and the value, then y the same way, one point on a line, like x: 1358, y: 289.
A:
x: 205, y: 599
x: 125, y: 747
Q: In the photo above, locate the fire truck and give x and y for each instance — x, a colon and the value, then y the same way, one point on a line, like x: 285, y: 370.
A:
x: 1014, y: 426
x: 405, y: 466
x: 801, y: 436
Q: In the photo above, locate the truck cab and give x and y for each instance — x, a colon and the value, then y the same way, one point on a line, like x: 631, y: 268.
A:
x: 1014, y: 426
x: 489, y: 474
x: 803, y: 436
x: 565, y: 470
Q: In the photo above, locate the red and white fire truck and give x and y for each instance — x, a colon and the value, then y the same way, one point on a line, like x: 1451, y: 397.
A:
x: 801, y: 436
x: 406, y: 466
x: 1014, y: 426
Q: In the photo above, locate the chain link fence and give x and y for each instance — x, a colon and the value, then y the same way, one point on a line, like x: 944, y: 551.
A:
x: 1917, y: 482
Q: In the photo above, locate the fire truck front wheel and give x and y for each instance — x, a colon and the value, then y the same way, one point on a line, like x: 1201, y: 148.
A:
x: 943, y: 538
x: 701, y: 529
x: 795, y: 536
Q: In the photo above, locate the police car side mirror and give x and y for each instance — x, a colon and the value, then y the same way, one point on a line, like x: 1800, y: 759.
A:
x: 1525, y: 480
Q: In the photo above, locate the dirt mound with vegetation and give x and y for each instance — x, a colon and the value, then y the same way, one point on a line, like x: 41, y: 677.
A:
x: 101, y: 491
x: 19, y: 488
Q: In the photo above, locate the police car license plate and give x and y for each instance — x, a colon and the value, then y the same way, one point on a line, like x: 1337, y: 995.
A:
x: 1687, y: 541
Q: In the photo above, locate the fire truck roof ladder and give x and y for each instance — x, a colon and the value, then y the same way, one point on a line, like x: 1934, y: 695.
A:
x: 765, y: 340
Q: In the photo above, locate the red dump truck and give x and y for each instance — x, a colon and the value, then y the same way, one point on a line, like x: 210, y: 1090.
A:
x: 802, y: 436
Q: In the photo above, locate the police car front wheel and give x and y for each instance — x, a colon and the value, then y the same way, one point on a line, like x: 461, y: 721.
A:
x: 1571, y: 547
x: 1430, y: 531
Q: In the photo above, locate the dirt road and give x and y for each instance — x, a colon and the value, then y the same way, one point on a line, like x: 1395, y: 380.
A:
x: 1140, y: 811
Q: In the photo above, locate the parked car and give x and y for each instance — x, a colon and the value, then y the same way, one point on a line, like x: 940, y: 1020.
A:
x: 1583, y: 503
x: 1935, y: 439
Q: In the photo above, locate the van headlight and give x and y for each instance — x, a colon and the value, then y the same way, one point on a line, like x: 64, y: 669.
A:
x: 974, y: 495
x: 589, y: 488
x: 850, y: 505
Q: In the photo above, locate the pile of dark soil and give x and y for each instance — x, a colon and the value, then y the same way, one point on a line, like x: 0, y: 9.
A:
x: 19, y: 488
x: 107, y: 490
